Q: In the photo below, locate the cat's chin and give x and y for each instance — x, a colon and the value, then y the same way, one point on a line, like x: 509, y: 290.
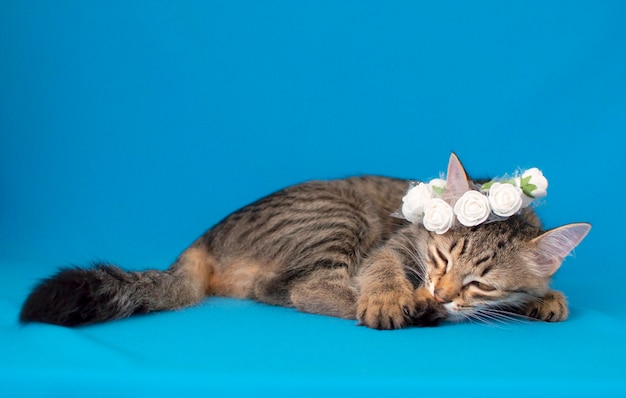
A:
x: 456, y: 317
x: 455, y: 314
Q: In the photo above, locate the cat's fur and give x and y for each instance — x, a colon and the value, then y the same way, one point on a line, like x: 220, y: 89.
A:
x: 332, y: 248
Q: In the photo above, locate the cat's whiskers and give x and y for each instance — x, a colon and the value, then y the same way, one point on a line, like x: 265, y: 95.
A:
x: 417, y: 267
x: 497, y: 317
x: 488, y: 319
x: 461, y: 316
x: 508, y: 316
x: 419, y: 276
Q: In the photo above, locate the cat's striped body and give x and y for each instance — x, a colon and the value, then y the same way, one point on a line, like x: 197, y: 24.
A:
x: 331, y: 247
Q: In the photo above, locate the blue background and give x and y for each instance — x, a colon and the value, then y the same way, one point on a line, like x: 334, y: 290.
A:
x: 129, y: 128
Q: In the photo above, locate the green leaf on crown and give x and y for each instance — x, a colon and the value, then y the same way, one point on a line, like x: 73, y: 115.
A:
x: 438, y: 190
x: 527, y: 187
x: 487, y: 185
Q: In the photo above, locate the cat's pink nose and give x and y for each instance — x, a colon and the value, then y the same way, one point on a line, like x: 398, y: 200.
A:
x: 439, y: 298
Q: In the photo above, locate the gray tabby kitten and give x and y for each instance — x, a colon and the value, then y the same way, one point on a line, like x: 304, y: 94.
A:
x: 332, y: 248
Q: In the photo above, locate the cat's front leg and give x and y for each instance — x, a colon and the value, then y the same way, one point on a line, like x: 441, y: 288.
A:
x: 387, y: 300
x: 550, y: 308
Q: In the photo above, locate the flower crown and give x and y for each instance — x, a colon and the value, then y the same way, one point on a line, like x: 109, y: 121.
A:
x: 440, y: 205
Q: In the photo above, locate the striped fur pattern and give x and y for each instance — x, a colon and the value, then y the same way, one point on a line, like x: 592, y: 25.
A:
x: 331, y: 248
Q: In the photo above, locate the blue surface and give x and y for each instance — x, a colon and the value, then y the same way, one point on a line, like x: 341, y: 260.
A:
x: 129, y: 129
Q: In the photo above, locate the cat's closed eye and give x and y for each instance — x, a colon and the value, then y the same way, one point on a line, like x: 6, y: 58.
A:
x: 482, y: 286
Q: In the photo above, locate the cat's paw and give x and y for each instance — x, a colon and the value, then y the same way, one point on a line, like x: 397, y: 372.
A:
x: 550, y: 308
x: 386, y: 308
x: 428, y: 312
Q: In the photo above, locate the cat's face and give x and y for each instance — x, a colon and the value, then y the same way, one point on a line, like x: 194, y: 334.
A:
x: 483, y: 272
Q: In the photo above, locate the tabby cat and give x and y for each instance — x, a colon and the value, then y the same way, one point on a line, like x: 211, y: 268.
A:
x: 332, y: 248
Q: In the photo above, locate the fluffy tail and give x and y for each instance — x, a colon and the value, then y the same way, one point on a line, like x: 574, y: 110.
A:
x: 77, y: 296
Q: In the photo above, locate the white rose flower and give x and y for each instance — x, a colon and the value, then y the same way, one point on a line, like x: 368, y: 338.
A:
x: 505, y: 199
x: 414, y: 200
x: 534, y: 184
x: 472, y: 208
x: 438, y: 216
x: 438, y: 185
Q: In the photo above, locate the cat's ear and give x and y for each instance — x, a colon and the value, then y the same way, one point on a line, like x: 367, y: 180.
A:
x: 457, y: 182
x: 550, y: 248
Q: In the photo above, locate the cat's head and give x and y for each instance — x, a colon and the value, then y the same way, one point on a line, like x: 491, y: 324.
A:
x: 494, y: 266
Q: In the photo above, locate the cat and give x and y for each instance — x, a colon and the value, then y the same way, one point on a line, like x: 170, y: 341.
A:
x: 332, y: 248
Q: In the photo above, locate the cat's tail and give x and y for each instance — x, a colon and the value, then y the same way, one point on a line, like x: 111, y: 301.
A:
x: 80, y: 296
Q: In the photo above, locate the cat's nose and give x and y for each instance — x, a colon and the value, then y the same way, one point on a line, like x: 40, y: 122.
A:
x: 440, y: 299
